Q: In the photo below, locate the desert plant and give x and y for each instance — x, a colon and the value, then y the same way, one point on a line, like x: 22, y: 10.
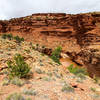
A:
x: 29, y: 91
x: 93, y: 89
x: 96, y: 79
x: 18, y: 67
x: 17, y: 81
x: 47, y: 17
x: 5, y: 82
x: 27, y: 50
x: 37, y: 46
x: 77, y: 70
x: 38, y: 18
x: 15, y: 96
x: 46, y: 78
x: 18, y: 39
x: 55, y: 56
x: 95, y: 96
x: 4, y: 36
x: 39, y: 71
x: 9, y: 36
x: 79, y: 80
x: 81, y: 76
x: 43, y: 47
x: 67, y: 88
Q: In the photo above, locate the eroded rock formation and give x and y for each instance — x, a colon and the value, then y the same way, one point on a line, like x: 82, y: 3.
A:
x: 77, y: 34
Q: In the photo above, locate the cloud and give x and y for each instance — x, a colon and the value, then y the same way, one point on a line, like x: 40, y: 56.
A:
x: 19, y: 8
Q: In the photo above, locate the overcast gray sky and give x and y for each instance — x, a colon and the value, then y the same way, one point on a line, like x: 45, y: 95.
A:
x: 17, y: 8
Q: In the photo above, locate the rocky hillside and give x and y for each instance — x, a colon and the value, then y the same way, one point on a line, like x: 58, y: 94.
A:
x: 72, y: 32
x: 48, y: 80
x: 77, y: 34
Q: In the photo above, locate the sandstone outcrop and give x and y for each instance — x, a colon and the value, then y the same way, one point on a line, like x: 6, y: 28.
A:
x: 75, y: 33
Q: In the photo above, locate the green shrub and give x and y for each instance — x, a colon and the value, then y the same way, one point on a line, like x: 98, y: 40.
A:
x: 29, y: 91
x: 93, y: 89
x: 79, y: 80
x: 46, y: 78
x: 17, y: 81
x: 67, y: 89
x: 43, y: 47
x: 81, y: 76
x: 5, y: 82
x: 4, y: 36
x: 77, y: 70
x: 27, y: 50
x: 15, y: 96
x: 18, y: 39
x: 38, y: 18
x: 18, y: 67
x: 39, y: 71
x: 56, y: 55
x: 96, y: 79
x: 9, y: 36
x: 95, y: 96
x: 37, y: 46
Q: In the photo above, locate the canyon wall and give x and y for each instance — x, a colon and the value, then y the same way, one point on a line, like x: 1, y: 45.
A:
x: 79, y: 34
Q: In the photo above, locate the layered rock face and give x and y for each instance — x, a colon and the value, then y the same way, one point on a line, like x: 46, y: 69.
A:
x: 77, y: 34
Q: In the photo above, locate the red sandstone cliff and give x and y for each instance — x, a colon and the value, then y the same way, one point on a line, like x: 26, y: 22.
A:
x: 82, y: 29
x: 77, y: 34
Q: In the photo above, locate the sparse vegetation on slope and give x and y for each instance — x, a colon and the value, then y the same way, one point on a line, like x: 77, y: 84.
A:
x: 49, y: 81
x: 17, y: 81
x: 29, y: 91
x: 7, y: 36
x: 18, y: 39
x: 67, y: 89
x: 18, y: 67
x: 16, y: 96
x: 10, y: 36
x: 56, y: 54
x: 77, y: 70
